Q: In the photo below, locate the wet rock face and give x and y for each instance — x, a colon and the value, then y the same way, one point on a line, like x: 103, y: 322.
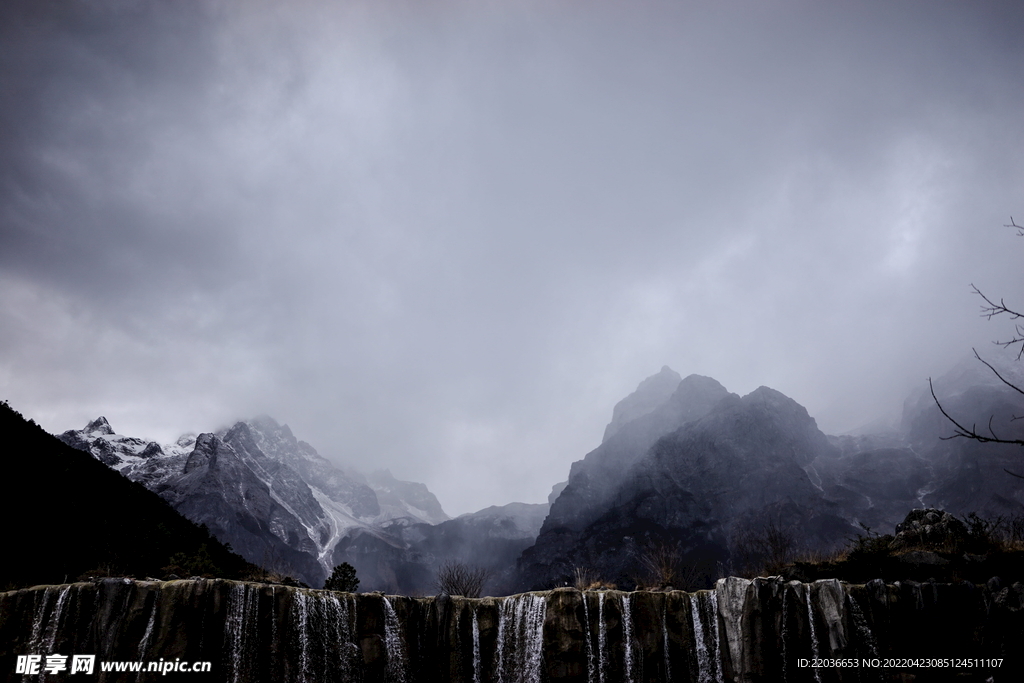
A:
x: 742, y: 631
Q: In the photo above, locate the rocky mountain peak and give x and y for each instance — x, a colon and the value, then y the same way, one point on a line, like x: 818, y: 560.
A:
x: 242, y: 433
x: 205, y: 452
x: 99, y: 425
x: 696, y: 395
x: 651, y: 393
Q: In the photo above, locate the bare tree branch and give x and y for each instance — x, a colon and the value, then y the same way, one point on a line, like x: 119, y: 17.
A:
x: 989, y: 311
x: 994, y: 308
x: 972, y: 433
x: 996, y: 373
x: 1020, y: 229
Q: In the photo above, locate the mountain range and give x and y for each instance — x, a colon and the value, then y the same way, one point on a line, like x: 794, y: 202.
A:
x: 698, y: 475
x: 685, y: 468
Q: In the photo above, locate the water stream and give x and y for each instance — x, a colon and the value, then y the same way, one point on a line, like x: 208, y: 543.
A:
x: 627, y: 639
x: 602, y: 639
x: 396, y: 662
x: 814, y: 632
x: 520, y: 646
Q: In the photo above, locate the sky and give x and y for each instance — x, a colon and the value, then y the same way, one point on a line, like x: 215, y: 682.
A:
x: 447, y: 237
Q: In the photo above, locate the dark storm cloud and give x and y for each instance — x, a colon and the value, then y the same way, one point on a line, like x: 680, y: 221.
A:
x: 447, y: 237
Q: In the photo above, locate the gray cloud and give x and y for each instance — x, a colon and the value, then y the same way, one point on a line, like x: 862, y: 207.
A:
x: 448, y: 238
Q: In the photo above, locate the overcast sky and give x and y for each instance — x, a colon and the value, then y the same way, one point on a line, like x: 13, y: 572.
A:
x: 447, y: 237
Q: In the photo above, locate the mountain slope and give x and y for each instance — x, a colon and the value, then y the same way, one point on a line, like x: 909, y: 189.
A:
x: 268, y: 494
x: 739, y: 466
x: 79, y: 515
x: 406, y: 558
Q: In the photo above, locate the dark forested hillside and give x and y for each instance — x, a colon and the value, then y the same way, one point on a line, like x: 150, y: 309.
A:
x: 65, y: 514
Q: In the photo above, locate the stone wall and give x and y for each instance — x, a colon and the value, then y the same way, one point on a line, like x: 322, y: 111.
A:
x: 742, y: 631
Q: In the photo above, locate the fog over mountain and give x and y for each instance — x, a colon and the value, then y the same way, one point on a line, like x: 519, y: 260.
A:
x: 441, y: 240
x: 697, y: 474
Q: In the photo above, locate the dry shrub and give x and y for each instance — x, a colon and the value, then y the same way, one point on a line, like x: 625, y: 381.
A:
x: 456, y: 578
x: 664, y: 568
x: 763, y: 550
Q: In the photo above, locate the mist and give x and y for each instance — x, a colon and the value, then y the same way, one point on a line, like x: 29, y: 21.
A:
x: 446, y: 238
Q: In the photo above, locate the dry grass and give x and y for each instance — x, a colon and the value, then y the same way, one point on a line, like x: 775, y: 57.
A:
x: 584, y: 579
x: 831, y: 556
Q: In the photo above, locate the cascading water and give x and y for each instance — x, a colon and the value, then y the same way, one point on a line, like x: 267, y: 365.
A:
x: 323, y: 636
x: 300, y: 617
x: 520, y: 645
x: 735, y: 630
x: 627, y: 639
x: 273, y: 622
x: 396, y: 663
x: 38, y: 621
x: 664, y: 639
x: 703, y: 661
x: 713, y: 631
x: 331, y: 633
x: 46, y: 622
x: 704, y: 606
x: 588, y: 648
x: 814, y: 632
x: 476, y: 647
x: 150, y: 623
x: 867, y: 636
x: 602, y: 639
x: 784, y: 631
x: 239, y: 630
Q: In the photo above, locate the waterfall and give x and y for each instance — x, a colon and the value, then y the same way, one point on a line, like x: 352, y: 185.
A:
x: 814, y: 632
x: 332, y: 628
x: 863, y: 629
x: 46, y: 623
x: 253, y: 635
x: 520, y: 647
x: 239, y: 627
x: 300, y: 611
x: 393, y: 643
x: 38, y: 620
x: 273, y: 621
x: 627, y: 639
x: 324, y: 631
x: 664, y: 638
x: 713, y: 631
x: 784, y: 632
x: 709, y: 664
x: 602, y: 639
x: 703, y: 663
x: 588, y: 648
x: 476, y: 647
x: 347, y: 635
x: 148, y: 633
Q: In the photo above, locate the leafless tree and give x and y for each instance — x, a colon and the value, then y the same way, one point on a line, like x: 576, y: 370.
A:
x: 456, y: 578
x: 989, y: 310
